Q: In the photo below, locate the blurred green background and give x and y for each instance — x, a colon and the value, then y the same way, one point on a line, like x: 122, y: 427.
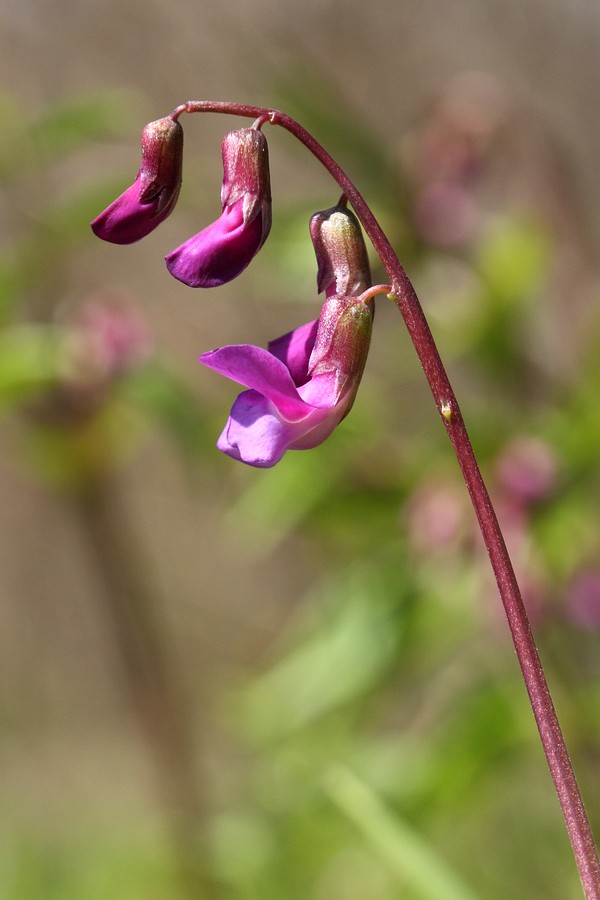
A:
x: 233, y: 684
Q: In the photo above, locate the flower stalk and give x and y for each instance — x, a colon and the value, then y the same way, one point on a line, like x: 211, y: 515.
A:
x: 403, y: 293
x: 304, y: 384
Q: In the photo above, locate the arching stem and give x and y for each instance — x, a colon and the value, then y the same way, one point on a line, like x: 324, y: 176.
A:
x: 553, y: 742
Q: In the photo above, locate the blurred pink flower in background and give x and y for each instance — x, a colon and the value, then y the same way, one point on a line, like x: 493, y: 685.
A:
x: 582, y: 600
x: 450, y: 157
x: 437, y: 516
x: 528, y: 470
x: 108, y: 338
x: 446, y: 215
x: 104, y: 340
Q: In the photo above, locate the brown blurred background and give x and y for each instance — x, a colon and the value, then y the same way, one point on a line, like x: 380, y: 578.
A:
x: 68, y: 741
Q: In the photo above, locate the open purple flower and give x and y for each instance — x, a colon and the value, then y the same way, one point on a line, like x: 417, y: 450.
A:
x: 153, y: 194
x: 306, y: 382
x: 300, y: 388
x: 222, y: 251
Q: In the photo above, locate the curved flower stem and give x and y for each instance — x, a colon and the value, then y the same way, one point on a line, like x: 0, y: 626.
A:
x: 557, y: 755
x: 376, y: 289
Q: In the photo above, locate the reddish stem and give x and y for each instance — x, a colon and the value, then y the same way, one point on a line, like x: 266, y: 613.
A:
x: 557, y: 755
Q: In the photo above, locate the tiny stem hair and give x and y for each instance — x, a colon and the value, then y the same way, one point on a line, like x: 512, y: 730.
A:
x: 403, y: 293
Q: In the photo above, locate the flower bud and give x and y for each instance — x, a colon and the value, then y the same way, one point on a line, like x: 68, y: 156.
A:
x: 246, y: 175
x: 342, y: 342
x: 220, y: 252
x: 341, y: 252
x: 153, y: 194
x: 162, y: 157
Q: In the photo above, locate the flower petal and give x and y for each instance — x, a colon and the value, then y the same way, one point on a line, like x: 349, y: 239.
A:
x: 318, y: 427
x: 254, y: 433
x: 220, y: 252
x: 256, y: 368
x: 323, y: 390
x: 294, y: 349
x: 127, y: 219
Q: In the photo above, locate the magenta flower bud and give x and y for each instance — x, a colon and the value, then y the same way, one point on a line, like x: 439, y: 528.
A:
x: 222, y: 251
x: 154, y: 192
x: 246, y: 175
x: 341, y: 253
x: 300, y: 388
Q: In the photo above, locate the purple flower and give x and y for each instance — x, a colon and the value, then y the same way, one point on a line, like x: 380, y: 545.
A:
x: 222, y: 250
x: 154, y: 192
x: 300, y: 388
x: 306, y: 382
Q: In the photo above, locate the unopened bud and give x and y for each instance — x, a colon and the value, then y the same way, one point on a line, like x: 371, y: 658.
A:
x: 341, y: 252
x: 162, y: 157
x: 246, y: 175
x: 342, y: 341
x: 223, y: 249
x: 150, y: 199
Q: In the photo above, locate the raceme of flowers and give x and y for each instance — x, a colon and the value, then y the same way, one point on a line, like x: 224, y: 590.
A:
x: 302, y: 386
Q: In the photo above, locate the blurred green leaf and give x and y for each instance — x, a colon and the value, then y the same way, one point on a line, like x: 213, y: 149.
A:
x: 79, y: 120
x: 272, y: 506
x: 511, y: 262
x: 93, y: 865
x: 29, y: 362
x: 339, y: 660
x: 415, y: 862
x: 59, y: 130
x: 167, y: 401
x: 33, y: 258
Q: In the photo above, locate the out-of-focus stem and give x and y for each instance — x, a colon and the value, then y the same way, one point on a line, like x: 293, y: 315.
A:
x: 148, y: 672
x: 553, y: 742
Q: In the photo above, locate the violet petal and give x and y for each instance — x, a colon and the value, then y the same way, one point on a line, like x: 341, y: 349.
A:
x: 258, y: 369
x: 254, y: 433
x: 294, y: 349
x: 127, y: 219
x: 218, y: 253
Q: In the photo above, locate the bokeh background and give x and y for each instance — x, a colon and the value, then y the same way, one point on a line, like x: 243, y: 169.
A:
x: 219, y: 682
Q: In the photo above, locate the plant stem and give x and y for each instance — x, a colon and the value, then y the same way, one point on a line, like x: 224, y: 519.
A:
x: 552, y: 739
x: 150, y: 675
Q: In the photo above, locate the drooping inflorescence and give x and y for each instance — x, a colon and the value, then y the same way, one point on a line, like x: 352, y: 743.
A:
x: 305, y: 383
